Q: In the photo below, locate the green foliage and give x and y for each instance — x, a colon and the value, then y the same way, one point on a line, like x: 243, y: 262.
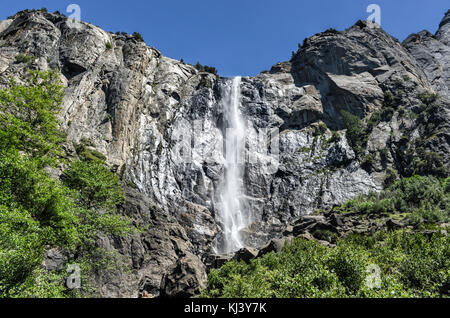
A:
x: 428, y: 98
x: 87, y: 153
x: 355, y: 131
x: 354, y: 126
x: 335, y: 137
x: 109, y: 45
x: 325, y: 235
x: 22, y: 58
x: 320, y: 129
x: 411, y: 265
x: 98, y: 187
x: 28, y: 115
x: 387, y: 113
x: 368, y: 161
x: 349, y: 264
x: 37, y: 211
x: 205, y: 68
x: 424, y: 199
x: 428, y: 163
x: 391, y: 176
x: 138, y: 37
x: 389, y: 99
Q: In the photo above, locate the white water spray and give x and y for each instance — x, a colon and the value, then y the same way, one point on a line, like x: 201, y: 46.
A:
x: 233, y: 216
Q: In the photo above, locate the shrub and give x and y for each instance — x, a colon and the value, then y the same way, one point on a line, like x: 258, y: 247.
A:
x: 138, y: 37
x: 86, y: 152
x: 349, y: 264
x: 325, y: 235
x: 428, y: 98
x: 355, y: 131
x: 391, y: 176
x: 22, y: 58
x: 335, y: 137
x: 387, y: 114
x: 205, y: 68
x: 97, y: 185
x: 428, y: 163
x: 367, y: 162
x: 28, y: 122
x: 389, y: 99
x: 320, y: 129
x: 410, y: 265
x: 109, y: 46
x: 423, y: 198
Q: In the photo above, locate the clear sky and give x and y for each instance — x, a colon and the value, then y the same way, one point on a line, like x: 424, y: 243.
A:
x: 239, y: 37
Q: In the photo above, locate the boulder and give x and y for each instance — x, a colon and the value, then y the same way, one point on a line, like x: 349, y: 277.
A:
x: 245, y: 254
x: 54, y: 259
x: 336, y: 220
x: 275, y: 245
x: 187, y: 279
x: 394, y: 224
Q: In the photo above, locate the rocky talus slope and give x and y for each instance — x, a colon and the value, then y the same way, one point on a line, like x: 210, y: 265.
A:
x: 132, y: 104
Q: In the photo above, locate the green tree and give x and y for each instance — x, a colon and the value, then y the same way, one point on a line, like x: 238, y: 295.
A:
x: 28, y: 113
x: 38, y: 211
x: 355, y: 131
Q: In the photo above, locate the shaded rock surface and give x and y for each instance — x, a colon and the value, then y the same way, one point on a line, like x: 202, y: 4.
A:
x: 135, y: 105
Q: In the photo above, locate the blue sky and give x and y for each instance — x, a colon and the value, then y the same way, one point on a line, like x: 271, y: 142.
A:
x: 240, y: 37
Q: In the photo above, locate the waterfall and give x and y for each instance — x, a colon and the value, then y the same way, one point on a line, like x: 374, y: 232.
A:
x: 232, y: 214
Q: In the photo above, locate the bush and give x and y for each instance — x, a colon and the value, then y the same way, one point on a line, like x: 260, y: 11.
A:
x: 22, y: 58
x: 88, y: 154
x: 424, y: 199
x: 335, y: 137
x: 367, y: 162
x: 28, y: 122
x: 206, y: 68
x: 391, y: 176
x: 98, y: 187
x: 138, y: 37
x: 410, y: 265
x: 320, y: 129
x: 428, y: 163
x: 387, y: 114
x: 428, y: 98
x: 349, y: 264
x: 389, y: 99
x: 355, y: 131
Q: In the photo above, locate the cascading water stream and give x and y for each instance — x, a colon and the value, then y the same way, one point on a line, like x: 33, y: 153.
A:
x: 232, y: 213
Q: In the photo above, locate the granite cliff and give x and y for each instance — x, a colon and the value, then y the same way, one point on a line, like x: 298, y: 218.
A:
x: 134, y: 105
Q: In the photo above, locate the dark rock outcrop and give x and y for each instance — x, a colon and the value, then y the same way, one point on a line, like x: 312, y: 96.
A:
x: 186, y: 279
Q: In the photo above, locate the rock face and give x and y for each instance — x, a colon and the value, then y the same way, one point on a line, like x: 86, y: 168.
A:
x: 137, y: 107
x: 432, y: 53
